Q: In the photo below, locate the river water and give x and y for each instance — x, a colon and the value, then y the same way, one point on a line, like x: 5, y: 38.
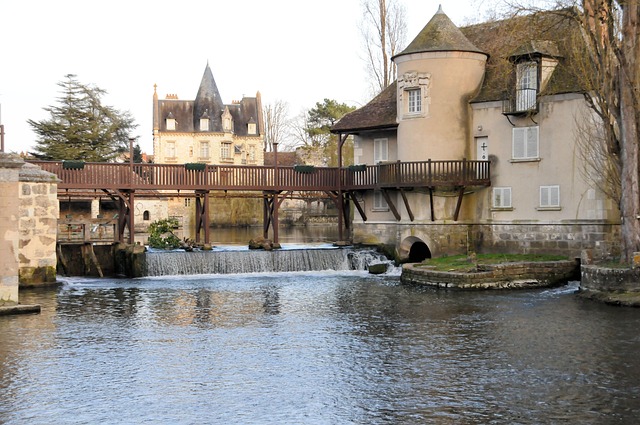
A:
x: 331, y: 347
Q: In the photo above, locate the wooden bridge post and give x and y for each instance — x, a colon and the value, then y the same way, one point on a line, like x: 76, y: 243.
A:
x: 125, y: 215
x: 202, y: 216
x: 342, y: 199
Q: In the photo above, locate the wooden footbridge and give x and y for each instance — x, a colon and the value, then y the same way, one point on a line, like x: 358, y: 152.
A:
x: 124, y: 182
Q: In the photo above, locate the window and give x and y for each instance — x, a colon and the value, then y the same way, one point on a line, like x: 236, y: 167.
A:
x: 550, y: 196
x: 204, y: 124
x: 380, y: 150
x: 415, y: 101
x: 187, y: 202
x: 527, y: 90
x: 252, y: 153
x: 171, y: 124
x: 501, y: 197
x: 204, y: 149
x: 525, y: 143
x: 146, y: 216
x: 251, y: 128
x: 225, y: 150
x: 379, y: 203
x: 413, y: 94
x: 171, y: 149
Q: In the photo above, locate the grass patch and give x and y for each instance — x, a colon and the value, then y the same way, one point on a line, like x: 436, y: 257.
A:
x: 462, y: 263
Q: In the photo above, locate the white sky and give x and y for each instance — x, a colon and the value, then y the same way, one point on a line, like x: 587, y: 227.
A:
x: 298, y: 51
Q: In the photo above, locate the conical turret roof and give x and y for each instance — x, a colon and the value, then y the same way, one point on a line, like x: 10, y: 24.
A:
x: 440, y: 34
x: 208, y: 101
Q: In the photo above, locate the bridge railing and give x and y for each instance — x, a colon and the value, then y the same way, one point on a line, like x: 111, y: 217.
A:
x: 238, y: 177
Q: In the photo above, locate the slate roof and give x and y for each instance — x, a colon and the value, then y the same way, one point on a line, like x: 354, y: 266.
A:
x: 380, y: 113
x: 549, y: 33
x: 208, y: 101
x: 440, y: 35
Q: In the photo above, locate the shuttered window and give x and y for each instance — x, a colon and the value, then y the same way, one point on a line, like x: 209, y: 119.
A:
x: 549, y: 196
x: 380, y: 150
x: 525, y: 143
x: 502, y: 197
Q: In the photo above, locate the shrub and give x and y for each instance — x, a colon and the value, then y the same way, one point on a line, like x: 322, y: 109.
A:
x: 161, y: 234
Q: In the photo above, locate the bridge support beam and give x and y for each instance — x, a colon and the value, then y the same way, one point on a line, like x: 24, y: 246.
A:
x: 341, y: 200
x: 125, y: 215
x: 270, y: 215
x: 202, y: 216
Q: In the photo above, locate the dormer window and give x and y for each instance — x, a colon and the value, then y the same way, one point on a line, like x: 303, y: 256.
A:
x: 204, y: 121
x: 527, y: 85
x: 523, y: 98
x: 251, y: 127
x: 170, y: 122
x: 227, y: 121
x: 534, y: 63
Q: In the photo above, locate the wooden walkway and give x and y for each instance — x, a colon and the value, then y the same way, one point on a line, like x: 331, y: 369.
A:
x: 125, y: 181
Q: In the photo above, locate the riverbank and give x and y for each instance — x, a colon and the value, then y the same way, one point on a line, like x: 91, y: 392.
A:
x: 507, y: 275
x: 611, y: 285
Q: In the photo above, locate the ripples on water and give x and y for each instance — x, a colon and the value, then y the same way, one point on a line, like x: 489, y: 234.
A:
x: 315, y: 348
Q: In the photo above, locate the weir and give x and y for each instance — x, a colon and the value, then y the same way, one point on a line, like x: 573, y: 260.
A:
x: 253, y: 261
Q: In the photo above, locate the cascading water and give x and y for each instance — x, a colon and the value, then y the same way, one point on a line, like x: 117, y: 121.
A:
x: 254, y: 261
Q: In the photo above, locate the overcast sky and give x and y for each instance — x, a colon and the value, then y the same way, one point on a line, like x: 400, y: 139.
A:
x: 298, y: 51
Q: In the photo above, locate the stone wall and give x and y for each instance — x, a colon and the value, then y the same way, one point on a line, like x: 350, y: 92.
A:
x: 499, y: 276
x: 605, y: 279
x: 38, y: 226
x: 9, y: 214
x: 517, y: 238
x: 559, y: 238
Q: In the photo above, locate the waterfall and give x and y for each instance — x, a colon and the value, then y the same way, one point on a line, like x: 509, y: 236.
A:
x: 255, y: 261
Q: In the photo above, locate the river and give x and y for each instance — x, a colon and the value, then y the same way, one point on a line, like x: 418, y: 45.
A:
x: 340, y: 347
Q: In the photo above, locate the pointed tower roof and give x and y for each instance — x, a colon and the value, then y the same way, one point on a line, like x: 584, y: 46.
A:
x: 208, y: 100
x: 440, y: 34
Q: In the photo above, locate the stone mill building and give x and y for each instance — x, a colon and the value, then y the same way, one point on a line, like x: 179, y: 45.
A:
x: 503, y: 92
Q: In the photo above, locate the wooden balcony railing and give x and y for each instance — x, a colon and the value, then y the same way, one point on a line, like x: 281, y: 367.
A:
x: 112, y: 176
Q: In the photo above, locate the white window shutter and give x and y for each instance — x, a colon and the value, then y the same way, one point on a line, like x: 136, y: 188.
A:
x: 518, y: 143
x: 532, y: 142
x: 544, y: 196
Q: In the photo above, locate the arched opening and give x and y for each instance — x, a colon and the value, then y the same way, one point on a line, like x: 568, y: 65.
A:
x: 413, y: 250
x: 419, y: 252
x: 146, y: 216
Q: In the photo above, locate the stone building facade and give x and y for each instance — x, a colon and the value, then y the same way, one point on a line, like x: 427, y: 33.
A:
x: 206, y: 130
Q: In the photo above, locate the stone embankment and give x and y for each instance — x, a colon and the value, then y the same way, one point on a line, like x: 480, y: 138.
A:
x: 496, y: 276
x: 618, y: 286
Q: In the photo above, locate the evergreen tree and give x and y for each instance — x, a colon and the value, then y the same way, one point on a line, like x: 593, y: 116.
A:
x: 81, y: 127
x: 318, y: 124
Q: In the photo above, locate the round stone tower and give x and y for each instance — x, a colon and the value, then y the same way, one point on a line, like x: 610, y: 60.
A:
x: 437, y: 75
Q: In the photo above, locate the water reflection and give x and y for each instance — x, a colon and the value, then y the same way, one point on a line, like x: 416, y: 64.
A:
x: 315, y: 348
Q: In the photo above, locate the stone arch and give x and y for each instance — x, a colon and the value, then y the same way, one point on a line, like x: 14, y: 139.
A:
x: 413, y: 250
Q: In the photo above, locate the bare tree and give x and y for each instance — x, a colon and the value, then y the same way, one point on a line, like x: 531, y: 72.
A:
x: 277, y: 125
x: 610, y: 72
x: 600, y: 167
x: 384, y: 33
